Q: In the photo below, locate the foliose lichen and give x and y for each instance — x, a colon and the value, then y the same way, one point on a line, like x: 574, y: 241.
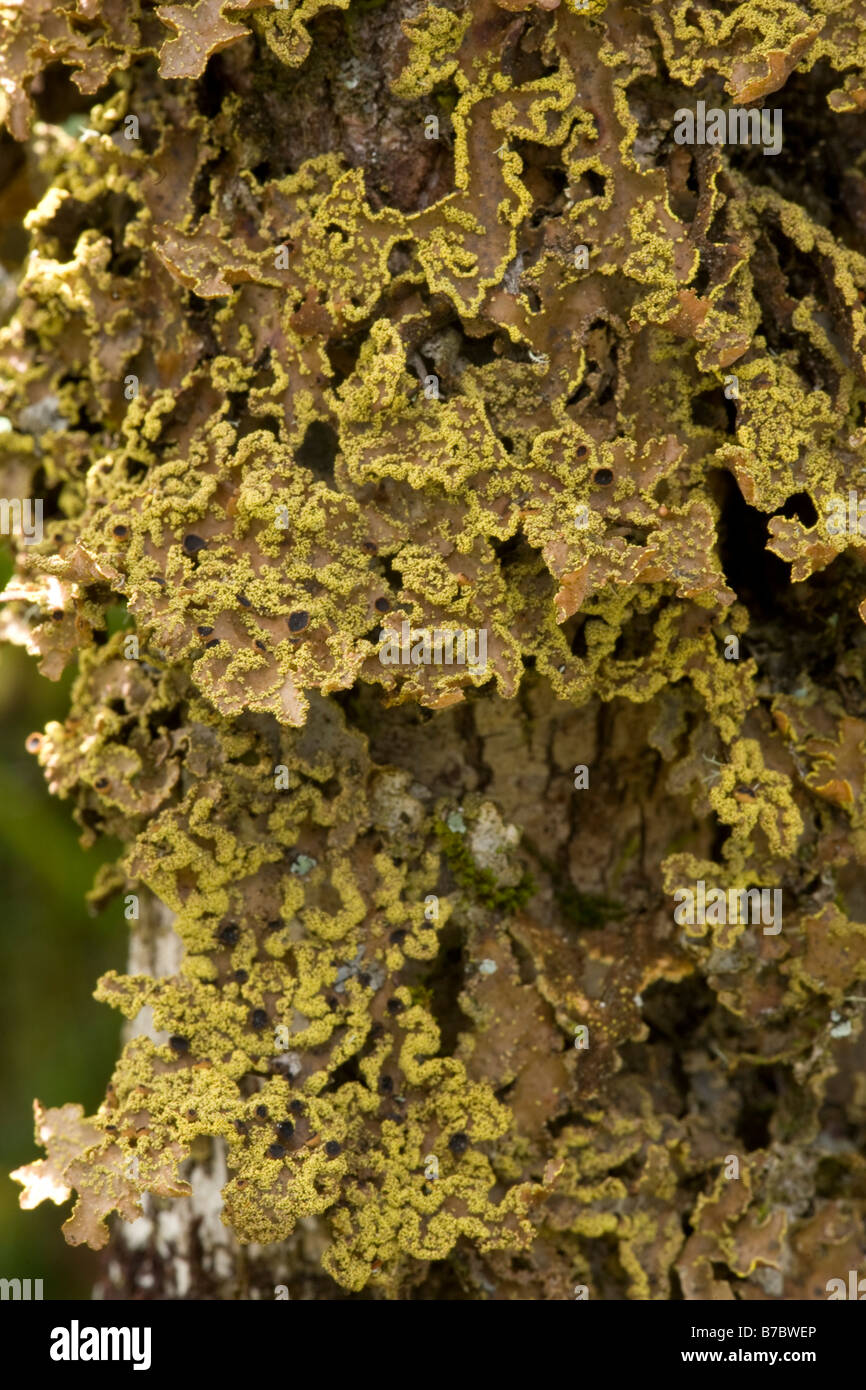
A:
x: 478, y: 346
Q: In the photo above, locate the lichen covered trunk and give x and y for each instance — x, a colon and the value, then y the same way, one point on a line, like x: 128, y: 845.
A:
x: 439, y: 428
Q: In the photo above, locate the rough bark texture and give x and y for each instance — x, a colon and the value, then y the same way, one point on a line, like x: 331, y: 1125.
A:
x: 182, y: 1249
x: 342, y: 333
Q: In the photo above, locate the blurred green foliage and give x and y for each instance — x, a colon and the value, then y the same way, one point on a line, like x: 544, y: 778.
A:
x: 58, y: 1043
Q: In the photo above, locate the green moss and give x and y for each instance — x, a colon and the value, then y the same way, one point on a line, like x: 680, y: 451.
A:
x: 583, y: 909
x: 480, y: 883
x: 588, y: 909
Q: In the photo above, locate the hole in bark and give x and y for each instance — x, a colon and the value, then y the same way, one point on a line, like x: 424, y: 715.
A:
x: 318, y: 450
x: 757, y: 576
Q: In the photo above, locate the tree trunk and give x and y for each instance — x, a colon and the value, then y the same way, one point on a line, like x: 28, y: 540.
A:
x: 438, y: 456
